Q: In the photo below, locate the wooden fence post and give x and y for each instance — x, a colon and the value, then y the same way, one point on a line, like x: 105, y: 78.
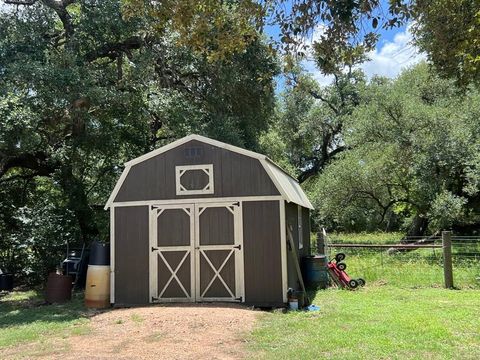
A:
x: 447, y: 258
x: 321, y: 243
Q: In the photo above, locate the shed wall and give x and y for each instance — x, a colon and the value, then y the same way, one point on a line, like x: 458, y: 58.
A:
x: 131, y: 255
x: 234, y: 174
x: 262, y: 253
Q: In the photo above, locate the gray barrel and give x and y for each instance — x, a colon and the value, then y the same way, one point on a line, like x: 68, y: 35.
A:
x: 315, y: 271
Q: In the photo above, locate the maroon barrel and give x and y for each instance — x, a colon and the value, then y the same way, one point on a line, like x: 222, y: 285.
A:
x: 59, y: 288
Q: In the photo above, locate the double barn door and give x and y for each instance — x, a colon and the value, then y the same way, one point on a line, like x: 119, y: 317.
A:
x: 196, y: 252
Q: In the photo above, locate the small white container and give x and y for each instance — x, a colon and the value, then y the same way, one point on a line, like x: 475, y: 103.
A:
x: 293, y: 304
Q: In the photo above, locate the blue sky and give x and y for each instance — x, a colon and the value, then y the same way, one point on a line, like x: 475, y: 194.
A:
x: 393, y: 53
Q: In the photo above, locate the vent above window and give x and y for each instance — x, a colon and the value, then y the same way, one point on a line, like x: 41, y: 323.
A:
x: 195, y: 152
x: 194, y: 179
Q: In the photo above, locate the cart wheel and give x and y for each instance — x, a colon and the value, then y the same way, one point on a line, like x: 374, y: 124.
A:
x: 341, y: 266
x: 353, y: 284
x: 339, y: 257
x: 361, y: 282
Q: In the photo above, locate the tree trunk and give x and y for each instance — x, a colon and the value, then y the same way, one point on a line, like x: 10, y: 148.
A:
x: 418, y: 226
x: 78, y: 203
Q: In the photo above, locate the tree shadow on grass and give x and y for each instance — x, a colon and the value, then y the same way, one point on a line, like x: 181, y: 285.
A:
x: 31, y: 309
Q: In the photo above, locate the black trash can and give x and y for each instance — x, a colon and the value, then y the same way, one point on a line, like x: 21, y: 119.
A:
x: 6, y: 282
x: 99, y: 253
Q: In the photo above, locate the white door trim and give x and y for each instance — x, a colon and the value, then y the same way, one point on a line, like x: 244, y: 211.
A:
x: 112, y: 255
x: 235, y: 207
x: 154, y: 251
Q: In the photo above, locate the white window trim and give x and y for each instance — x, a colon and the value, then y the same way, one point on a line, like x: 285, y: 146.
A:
x: 180, y: 170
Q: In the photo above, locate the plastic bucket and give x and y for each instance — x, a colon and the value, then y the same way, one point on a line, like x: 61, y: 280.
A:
x: 59, y: 288
x: 293, y: 304
x: 97, y: 288
x: 315, y: 271
x: 99, y: 253
x: 6, y: 282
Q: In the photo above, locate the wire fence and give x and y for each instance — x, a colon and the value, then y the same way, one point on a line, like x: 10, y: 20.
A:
x: 412, y: 260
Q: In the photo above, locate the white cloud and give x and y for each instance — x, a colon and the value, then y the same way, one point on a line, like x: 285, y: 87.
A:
x: 388, y: 59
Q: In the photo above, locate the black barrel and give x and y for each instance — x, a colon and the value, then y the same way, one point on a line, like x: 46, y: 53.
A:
x: 6, y: 282
x: 99, y: 254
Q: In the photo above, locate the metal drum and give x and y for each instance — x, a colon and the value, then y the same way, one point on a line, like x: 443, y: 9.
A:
x: 315, y: 271
x: 59, y: 288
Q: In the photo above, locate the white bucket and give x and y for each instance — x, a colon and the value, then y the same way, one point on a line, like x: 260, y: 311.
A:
x: 293, y: 304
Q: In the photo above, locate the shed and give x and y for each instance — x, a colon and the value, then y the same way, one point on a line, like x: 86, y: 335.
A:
x: 200, y: 220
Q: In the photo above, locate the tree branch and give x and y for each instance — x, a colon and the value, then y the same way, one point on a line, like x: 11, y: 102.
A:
x: 34, y: 161
x: 60, y: 7
x: 113, y: 50
x: 317, y: 96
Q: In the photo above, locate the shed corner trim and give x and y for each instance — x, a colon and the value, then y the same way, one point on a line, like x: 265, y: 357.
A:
x: 117, y: 187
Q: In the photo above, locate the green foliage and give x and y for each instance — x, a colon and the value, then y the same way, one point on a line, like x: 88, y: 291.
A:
x: 413, y: 153
x: 83, y: 89
x: 216, y: 29
x: 449, y: 32
x: 446, y: 209
x: 364, y: 237
x: 310, y: 121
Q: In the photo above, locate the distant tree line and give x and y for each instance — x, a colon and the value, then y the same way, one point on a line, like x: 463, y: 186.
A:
x: 384, y: 154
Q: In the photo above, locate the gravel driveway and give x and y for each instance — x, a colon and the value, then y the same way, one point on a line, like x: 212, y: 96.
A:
x: 193, y: 331
x: 167, y: 332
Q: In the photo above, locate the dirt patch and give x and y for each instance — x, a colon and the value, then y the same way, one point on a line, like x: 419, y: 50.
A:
x: 158, y: 332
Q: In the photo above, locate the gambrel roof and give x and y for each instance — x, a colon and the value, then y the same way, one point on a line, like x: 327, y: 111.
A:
x: 287, y: 186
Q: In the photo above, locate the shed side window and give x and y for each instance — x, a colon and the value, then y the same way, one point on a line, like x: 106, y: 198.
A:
x: 194, y: 179
x: 300, y: 229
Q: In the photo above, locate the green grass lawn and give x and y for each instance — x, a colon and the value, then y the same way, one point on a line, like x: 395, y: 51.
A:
x: 23, y: 318
x: 376, y: 322
x: 402, y: 313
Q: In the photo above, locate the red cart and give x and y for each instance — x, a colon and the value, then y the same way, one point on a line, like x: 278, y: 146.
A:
x: 336, y: 269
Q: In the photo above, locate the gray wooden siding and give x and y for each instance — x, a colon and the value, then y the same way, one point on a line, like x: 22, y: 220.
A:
x: 234, y: 174
x: 262, y: 254
x: 131, y: 255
